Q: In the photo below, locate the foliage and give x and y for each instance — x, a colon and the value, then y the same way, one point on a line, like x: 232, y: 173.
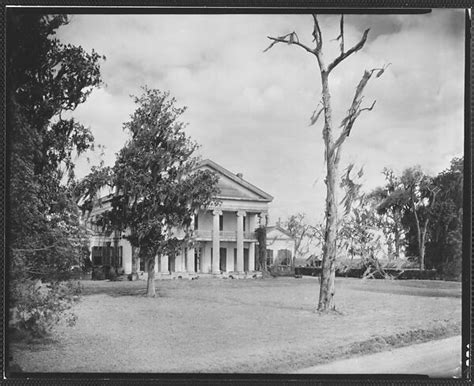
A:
x: 304, y: 234
x: 45, y: 79
x: 41, y: 306
x: 358, y: 231
x: 424, y: 212
x: 392, y: 205
x: 444, y: 247
x: 157, y: 186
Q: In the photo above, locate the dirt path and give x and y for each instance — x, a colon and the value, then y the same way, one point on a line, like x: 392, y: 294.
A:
x: 439, y: 358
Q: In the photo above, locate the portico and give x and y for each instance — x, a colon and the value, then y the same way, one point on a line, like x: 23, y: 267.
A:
x: 224, y: 238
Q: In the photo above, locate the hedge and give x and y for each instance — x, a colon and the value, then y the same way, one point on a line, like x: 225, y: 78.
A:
x: 407, y: 274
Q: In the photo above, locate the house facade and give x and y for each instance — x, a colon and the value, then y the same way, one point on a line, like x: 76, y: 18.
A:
x: 280, y: 246
x: 224, y: 238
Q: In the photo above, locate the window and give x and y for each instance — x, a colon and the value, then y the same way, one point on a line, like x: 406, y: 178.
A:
x: 196, y: 221
x: 245, y: 220
x: 269, y: 257
x: 97, y: 255
x: 221, y: 222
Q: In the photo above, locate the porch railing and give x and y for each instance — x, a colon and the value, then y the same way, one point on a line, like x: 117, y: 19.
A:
x: 223, y: 235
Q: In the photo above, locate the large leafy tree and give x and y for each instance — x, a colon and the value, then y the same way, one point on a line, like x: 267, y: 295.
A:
x: 45, y: 79
x: 157, y: 186
x: 444, y: 247
x: 420, y: 194
x: 392, y: 205
x: 333, y: 141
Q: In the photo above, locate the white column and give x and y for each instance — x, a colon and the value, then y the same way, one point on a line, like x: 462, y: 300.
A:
x: 126, y: 256
x: 164, y: 263
x: 252, y: 257
x: 156, y: 263
x: 190, y: 265
x: 240, y: 241
x: 230, y: 260
x: 262, y: 219
x: 215, y: 241
x: 206, y: 258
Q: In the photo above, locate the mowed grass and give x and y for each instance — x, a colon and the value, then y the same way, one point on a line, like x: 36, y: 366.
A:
x: 239, y: 326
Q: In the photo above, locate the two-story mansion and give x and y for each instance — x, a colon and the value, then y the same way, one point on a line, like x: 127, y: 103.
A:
x: 225, y: 239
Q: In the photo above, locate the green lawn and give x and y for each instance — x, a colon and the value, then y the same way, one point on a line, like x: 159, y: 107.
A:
x: 254, y: 325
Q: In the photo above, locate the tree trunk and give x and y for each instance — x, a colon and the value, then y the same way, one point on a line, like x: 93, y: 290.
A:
x: 135, y: 255
x: 328, y: 274
x: 262, y: 248
x: 397, y: 243
x: 422, y: 246
x: 150, y: 285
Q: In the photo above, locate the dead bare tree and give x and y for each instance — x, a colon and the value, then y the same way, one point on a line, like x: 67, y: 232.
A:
x: 332, y: 145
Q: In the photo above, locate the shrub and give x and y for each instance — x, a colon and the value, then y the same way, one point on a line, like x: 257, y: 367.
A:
x: 452, y: 270
x: 40, y: 306
x: 281, y: 270
x: 98, y: 273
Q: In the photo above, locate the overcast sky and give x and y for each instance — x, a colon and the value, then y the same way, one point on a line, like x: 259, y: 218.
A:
x: 250, y: 110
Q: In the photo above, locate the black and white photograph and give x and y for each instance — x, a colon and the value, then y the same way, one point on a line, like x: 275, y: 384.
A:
x: 228, y: 193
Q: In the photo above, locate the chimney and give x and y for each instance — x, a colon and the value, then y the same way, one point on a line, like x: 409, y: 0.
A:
x: 240, y: 175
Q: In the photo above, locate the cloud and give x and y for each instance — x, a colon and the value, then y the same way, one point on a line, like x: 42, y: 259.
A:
x: 250, y: 110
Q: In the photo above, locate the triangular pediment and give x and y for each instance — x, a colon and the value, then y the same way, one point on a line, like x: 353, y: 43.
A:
x: 275, y: 232
x: 234, y: 187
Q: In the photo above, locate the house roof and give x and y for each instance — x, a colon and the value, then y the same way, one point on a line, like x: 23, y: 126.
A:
x: 279, y: 228
x: 230, y: 189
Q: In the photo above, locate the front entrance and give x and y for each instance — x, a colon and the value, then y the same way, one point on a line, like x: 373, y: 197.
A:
x: 223, y: 259
x: 171, y: 262
x: 197, y: 259
x: 246, y: 259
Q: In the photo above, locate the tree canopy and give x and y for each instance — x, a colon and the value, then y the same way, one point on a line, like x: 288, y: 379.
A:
x: 157, y: 185
x: 45, y: 79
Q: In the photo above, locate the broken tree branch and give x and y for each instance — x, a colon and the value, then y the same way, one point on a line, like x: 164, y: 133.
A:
x: 314, y: 118
x: 355, y: 109
x: 355, y: 48
x: 341, y: 35
x: 291, y: 38
x: 317, y: 36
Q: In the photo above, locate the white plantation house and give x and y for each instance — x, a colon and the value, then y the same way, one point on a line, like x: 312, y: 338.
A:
x: 225, y: 239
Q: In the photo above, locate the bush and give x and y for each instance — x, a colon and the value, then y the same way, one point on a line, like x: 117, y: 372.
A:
x: 350, y: 267
x: 452, y: 270
x: 98, y: 273
x: 308, y: 271
x: 281, y: 270
x: 41, y: 306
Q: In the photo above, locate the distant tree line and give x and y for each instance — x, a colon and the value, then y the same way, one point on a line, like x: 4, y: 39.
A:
x: 416, y: 216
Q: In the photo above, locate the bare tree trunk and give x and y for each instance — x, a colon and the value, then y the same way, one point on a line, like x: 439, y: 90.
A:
x: 422, y: 245
x: 150, y: 284
x: 328, y: 274
x: 420, y: 238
